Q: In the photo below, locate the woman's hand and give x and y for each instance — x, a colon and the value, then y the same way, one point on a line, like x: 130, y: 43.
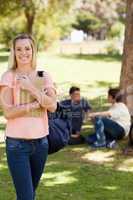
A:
x: 33, y: 105
x: 25, y: 82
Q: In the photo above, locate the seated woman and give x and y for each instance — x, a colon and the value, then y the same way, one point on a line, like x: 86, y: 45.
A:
x: 113, y: 124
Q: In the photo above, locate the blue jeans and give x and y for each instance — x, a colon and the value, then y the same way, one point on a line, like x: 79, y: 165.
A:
x: 107, y: 130
x: 26, y: 160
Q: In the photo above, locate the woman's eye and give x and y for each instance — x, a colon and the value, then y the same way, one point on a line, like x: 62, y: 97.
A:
x: 27, y: 48
x: 18, y: 49
x: 23, y: 49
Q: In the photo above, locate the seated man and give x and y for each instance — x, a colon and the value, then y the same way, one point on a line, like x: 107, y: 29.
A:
x: 113, y: 124
x: 79, y: 106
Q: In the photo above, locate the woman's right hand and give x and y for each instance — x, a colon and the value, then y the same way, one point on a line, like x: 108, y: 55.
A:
x: 33, y: 105
x: 24, y: 82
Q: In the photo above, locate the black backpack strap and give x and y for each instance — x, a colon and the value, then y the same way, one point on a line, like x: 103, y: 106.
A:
x: 40, y: 73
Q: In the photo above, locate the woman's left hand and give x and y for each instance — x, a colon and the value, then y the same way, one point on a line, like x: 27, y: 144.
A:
x: 24, y: 82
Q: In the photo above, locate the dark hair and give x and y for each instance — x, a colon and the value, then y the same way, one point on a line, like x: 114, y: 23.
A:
x: 73, y: 89
x: 116, y: 94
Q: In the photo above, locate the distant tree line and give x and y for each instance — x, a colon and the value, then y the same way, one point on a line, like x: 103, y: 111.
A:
x: 50, y: 20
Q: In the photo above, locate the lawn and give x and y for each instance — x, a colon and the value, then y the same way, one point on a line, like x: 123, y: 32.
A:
x: 79, y: 172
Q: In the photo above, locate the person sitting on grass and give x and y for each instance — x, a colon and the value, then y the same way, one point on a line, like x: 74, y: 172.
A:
x: 79, y: 107
x: 113, y: 124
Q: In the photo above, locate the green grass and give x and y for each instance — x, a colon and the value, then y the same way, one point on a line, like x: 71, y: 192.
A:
x: 95, y: 57
x: 78, y: 172
x: 93, y: 76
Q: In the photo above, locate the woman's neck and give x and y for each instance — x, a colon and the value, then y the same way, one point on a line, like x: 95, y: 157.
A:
x: 25, y: 69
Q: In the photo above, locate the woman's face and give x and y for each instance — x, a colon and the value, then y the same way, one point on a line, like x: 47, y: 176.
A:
x: 23, y: 52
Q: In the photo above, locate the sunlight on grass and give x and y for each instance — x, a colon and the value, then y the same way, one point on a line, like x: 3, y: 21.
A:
x: 3, y: 166
x: 58, y: 178
x: 93, y: 77
x: 99, y: 156
x: 2, y: 145
x: 78, y: 149
x: 51, y: 163
x: 126, y: 165
x: 4, y: 158
x: 2, y: 119
x: 2, y: 136
x: 111, y: 188
x: 87, y: 126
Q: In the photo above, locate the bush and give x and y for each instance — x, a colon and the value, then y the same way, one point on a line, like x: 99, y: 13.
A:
x: 116, y: 30
x: 112, y: 49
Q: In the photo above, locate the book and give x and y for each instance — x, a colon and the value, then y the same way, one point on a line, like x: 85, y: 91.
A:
x: 26, y: 97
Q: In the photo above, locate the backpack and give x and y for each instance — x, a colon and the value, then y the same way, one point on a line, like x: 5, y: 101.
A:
x: 59, y: 129
x: 59, y: 126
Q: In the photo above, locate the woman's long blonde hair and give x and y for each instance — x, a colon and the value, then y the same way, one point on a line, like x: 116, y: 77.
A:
x: 12, y: 63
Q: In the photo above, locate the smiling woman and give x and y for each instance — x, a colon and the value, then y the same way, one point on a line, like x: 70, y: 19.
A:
x: 23, y: 51
x: 27, y: 121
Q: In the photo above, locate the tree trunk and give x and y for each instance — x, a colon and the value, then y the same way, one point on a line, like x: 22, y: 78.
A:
x: 29, y: 12
x: 30, y: 16
x: 126, y: 79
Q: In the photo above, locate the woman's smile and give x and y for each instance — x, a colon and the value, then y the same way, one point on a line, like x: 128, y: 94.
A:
x: 23, y: 52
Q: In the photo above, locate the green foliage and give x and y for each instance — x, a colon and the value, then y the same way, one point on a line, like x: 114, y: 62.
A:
x: 98, y: 17
x: 112, y: 49
x: 45, y: 35
x: 44, y: 19
x: 50, y: 25
x: 87, y: 22
x: 50, y: 20
x: 116, y: 30
x: 10, y: 28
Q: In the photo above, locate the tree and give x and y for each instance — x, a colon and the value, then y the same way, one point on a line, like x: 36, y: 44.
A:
x: 53, y: 23
x: 42, y: 18
x: 126, y: 79
x: 98, y: 16
x: 33, y: 9
x: 12, y: 21
x: 87, y: 22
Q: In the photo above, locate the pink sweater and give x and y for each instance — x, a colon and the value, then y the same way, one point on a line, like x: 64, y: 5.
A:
x: 26, y: 127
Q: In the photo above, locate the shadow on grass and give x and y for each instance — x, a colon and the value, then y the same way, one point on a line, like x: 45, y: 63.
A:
x: 3, y: 58
x: 72, y: 178
x: 1, y: 112
x: 4, y: 49
x: 94, y: 57
x: 2, y: 126
x: 104, y: 84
